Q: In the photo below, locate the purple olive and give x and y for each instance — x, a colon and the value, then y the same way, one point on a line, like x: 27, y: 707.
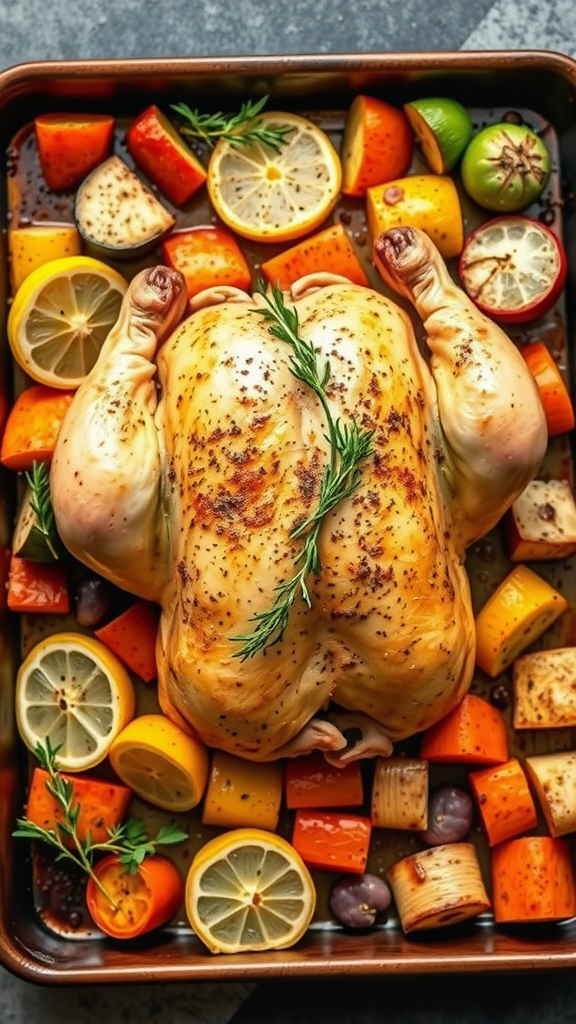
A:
x: 356, y: 900
x: 450, y: 812
x: 95, y: 600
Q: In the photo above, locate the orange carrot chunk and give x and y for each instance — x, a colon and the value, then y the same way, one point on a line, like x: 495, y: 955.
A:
x: 309, y: 781
x: 32, y: 426
x: 554, y: 394
x: 330, y: 251
x: 126, y: 904
x: 504, y: 801
x: 532, y: 880
x: 376, y: 146
x: 71, y: 145
x: 207, y: 258
x: 37, y: 587
x: 332, y: 840
x: 474, y: 732
x: 102, y: 805
x: 132, y: 635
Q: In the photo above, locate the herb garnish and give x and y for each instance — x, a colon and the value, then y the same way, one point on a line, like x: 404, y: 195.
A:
x: 239, y: 129
x: 349, y: 446
x: 41, y: 504
x: 129, y: 840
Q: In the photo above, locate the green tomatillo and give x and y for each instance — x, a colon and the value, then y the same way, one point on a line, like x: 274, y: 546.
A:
x: 505, y: 167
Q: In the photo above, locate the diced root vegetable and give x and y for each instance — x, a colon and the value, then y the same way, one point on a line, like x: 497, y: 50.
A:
x: 541, y: 523
x: 400, y: 793
x: 329, y: 251
x: 553, y: 777
x: 31, y: 246
x: 332, y: 840
x: 532, y: 880
x: 474, y: 732
x: 504, y: 801
x: 438, y: 887
x: 310, y: 781
x: 429, y: 202
x: 544, y: 684
x: 102, y: 805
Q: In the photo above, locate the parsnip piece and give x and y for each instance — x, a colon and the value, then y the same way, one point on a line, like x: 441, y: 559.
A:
x: 400, y: 793
x: 542, y: 522
x: 553, y: 777
x: 437, y: 887
x: 544, y: 685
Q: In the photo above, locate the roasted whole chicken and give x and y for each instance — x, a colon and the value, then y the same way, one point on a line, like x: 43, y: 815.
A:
x: 192, y: 454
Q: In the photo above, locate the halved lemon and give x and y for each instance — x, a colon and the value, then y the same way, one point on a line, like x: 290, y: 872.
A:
x: 443, y: 128
x: 276, y: 195
x: 249, y: 890
x: 72, y: 690
x: 161, y: 762
x: 60, y: 317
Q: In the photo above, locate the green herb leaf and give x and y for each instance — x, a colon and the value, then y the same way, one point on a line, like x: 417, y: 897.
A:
x: 349, y: 447
x: 41, y: 503
x: 239, y: 129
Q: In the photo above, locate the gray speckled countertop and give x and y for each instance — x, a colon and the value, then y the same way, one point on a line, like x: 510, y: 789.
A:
x: 56, y: 29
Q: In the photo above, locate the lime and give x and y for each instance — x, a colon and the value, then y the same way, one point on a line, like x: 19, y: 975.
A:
x: 443, y: 129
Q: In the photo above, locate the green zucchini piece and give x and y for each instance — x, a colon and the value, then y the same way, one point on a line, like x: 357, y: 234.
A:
x: 29, y: 539
x: 116, y: 215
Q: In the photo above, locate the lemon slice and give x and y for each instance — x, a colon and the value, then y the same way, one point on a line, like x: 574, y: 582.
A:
x: 61, y: 316
x: 276, y: 196
x: 443, y: 128
x: 72, y: 690
x: 161, y: 762
x: 249, y: 890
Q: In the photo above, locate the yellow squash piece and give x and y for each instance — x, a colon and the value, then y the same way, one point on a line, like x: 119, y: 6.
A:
x: 242, y: 793
x: 426, y: 201
x: 31, y: 246
x: 517, y: 613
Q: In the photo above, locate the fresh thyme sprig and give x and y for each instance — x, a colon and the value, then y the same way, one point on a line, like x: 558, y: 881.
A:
x: 41, y: 503
x: 349, y: 447
x: 239, y: 129
x: 129, y: 840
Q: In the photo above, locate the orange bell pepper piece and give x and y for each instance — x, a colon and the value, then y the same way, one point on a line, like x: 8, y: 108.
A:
x: 159, y: 150
x: 474, y: 732
x: 310, y: 781
x: 332, y: 840
x: 330, y: 250
x: 242, y: 793
x: 37, y: 587
x: 71, y: 145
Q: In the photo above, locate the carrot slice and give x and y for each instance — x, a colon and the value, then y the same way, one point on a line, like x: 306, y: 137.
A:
x: 207, y: 257
x: 311, y: 782
x: 332, y: 840
x: 376, y: 146
x: 474, y: 732
x: 242, y: 793
x: 504, y: 801
x: 37, y: 587
x: 32, y: 426
x: 101, y: 805
x: 516, y: 614
x: 132, y: 635
x: 532, y: 880
x: 554, y: 395
x: 330, y: 250
x: 130, y: 904
x: 71, y: 145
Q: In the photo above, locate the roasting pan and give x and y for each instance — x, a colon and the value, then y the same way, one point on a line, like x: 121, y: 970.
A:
x: 41, y: 947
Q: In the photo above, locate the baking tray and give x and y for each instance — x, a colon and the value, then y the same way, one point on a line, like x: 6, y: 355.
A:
x: 31, y: 945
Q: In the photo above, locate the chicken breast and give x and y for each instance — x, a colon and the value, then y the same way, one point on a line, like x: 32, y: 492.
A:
x: 195, y: 487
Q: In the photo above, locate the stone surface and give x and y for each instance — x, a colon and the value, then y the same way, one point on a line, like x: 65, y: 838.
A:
x: 55, y: 29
